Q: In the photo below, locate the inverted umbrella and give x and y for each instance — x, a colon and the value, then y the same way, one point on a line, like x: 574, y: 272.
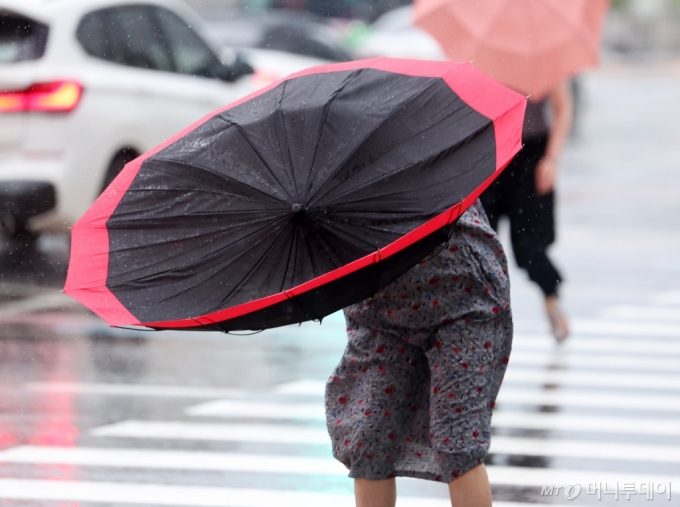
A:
x: 301, y: 199
x: 529, y: 45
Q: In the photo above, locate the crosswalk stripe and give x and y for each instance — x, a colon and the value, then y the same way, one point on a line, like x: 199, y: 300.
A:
x: 314, y: 435
x: 590, y: 398
x: 616, y: 327
x: 582, y: 449
x: 135, y: 390
x: 540, y: 376
x: 664, y: 348
x: 508, y: 394
x: 201, y: 496
x: 268, y: 410
x: 156, y: 494
x: 568, y: 359
x: 671, y: 297
x: 229, y: 432
x: 590, y: 423
x: 199, y: 460
x: 643, y: 313
x: 182, y: 460
x: 594, y: 379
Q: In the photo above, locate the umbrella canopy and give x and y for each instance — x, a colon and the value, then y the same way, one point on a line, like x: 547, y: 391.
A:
x: 529, y: 45
x: 296, y: 201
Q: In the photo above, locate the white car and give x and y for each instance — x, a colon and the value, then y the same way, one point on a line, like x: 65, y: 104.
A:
x: 393, y: 34
x: 85, y: 87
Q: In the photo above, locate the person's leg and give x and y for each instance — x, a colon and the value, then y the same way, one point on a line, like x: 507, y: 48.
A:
x: 532, y: 230
x: 471, y: 489
x: 375, y: 493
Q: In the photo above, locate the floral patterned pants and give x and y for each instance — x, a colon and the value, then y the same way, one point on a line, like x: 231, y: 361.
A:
x: 414, y: 391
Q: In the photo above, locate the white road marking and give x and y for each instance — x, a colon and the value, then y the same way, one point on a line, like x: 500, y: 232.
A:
x: 197, y: 460
x: 589, y: 423
x: 608, y: 345
x: 643, y: 313
x: 569, y: 359
x: 178, y: 460
x: 580, y: 378
x: 583, y: 449
x: 589, y: 398
x: 593, y: 378
x: 231, y: 432
x: 156, y: 494
x: 268, y: 410
x: 671, y: 297
x: 613, y: 327
x: 508, y: 394
x: 281, y: 433
x: 135, y: 390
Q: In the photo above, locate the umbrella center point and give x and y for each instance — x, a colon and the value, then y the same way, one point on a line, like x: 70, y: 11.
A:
x: 297, y: 208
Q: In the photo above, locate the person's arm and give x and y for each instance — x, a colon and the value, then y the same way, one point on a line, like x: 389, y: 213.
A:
x: 560, y: 100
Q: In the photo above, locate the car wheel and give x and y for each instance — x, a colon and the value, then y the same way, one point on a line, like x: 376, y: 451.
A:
x: 116, y: 166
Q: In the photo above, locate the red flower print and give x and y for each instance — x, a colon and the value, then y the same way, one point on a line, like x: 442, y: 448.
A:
x: 346, y: 442
x: 464, y: 365
x: 368, y: 412
x: 453, y: 249
x: 388, y: 390
x: 433, y: 281
x: 435, y: 390
x: 438, y: 345
x: 342, y: 400
x: 390, y: 436
x: 475, y: 434
x: 380, y: 350
x: 487, y: 345
x: 459, y: 410
x: 416, y: 307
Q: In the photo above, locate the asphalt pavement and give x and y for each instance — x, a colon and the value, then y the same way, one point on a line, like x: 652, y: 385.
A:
x: 94, y: 416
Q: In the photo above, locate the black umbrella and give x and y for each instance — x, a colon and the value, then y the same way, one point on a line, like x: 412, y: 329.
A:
x: 301, y: 199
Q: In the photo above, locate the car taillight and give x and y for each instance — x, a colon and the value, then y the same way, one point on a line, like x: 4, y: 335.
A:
x: 53, y: 96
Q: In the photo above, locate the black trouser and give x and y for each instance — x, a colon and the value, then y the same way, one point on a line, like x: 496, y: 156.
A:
x: 532, y: 219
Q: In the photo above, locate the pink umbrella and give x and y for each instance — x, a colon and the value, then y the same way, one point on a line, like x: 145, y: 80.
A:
x: 529, y: 45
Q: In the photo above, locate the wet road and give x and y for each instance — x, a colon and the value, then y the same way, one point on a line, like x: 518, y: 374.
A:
x: 94, y: 416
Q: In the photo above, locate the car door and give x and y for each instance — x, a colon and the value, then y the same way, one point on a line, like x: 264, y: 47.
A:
x: 202, y: 75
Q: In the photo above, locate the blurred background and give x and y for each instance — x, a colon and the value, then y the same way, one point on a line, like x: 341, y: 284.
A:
x: 91, y: 415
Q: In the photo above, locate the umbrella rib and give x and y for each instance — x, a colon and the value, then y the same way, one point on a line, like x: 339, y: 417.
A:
x: 195, y: 248
x: 253, y: 269
x: 351, y: 77
x: 222, y: 175
x: 314, y: 198
x: 279, y: 113
x: 239, y: 129
x: 403, y: 168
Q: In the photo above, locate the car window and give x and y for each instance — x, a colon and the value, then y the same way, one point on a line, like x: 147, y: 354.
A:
x: 21, y: 38
x: 127, y: 35
x: 189, y: 52
x: 93, y: 35
x: 137, y: 37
